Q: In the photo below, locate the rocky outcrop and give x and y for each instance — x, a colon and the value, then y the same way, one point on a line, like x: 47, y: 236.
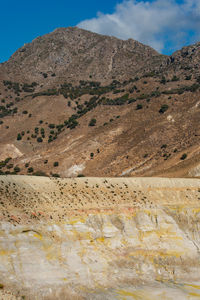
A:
x: 99, y: 238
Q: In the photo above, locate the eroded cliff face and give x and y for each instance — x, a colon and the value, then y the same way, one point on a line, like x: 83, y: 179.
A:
x: 97, y: 238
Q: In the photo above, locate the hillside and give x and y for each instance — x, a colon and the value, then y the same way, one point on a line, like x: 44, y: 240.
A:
x: 73, y: 54
x: 77, y: 103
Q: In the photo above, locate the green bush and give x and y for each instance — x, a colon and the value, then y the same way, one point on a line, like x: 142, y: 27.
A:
x: 164, y: 146
x: 92, y: 122
x: 39, y: 140
x: 30, y: 170
x: 163, y: 108
x: 184, y: 156
x: 51, y: 126
x: 175, y: 78
x: 10, y: 166
x: 188, y: 77
x: 7, y: 160
x: 55, y: 175
x: 81, y: 175
x: 40, y: 173
x: 19, y: 137
x: 17, y: 169
x: 139, y: 106
x: 163, y: 80
x: 56, y: 164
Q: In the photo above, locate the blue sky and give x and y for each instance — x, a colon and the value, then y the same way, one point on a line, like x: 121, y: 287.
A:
x: 21, y: 21
x: 165, y: 25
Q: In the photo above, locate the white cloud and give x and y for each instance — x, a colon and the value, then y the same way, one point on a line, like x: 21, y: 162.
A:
x: 162, y: 24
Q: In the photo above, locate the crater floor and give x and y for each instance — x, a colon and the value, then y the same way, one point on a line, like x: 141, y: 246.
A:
x: 99, y: 238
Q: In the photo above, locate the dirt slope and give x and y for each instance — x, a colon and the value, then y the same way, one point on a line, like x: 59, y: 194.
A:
x: 77, y: 103
x: 100, y: 238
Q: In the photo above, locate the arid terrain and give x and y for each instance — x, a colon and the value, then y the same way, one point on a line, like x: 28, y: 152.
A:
x: 100, y: 238
x: 125, y: 119
x: 77, y: 103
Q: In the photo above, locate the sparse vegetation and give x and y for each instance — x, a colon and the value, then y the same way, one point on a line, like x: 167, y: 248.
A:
x: 163, y: 108
x: 139, y: 106
x: 17, y: 169
x: 55, y: 175
x: 184, y: 156
x: 39, y: 140
x: 92, y: 122
x: 40, y: 173
x: 19, y: 137
x: 30, y: 170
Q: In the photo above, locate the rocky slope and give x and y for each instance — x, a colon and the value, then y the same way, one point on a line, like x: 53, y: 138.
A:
x: 72, y: 54
x: 100, y: 238
x: 77, y: 103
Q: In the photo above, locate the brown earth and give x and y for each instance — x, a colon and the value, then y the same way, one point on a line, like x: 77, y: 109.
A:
x: 123, y: 85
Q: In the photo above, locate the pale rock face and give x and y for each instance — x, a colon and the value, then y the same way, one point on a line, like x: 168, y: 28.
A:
x: 74, y: 170
x: 170, y: 119
x: 9, y: 150
x: 144, y: 247
x: 195, y: 171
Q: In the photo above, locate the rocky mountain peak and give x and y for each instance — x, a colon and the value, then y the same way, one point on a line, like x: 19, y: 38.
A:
x: 73, y: 53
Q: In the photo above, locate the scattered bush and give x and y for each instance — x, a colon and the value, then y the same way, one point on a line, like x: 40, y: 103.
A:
x: 163, y: 108
x: 55, y: 175
x: 92, y: 122
x: 17, y: 169
x: 188, y: 77
x: 56, y: 164
x: 39, y: 140
x: 164, y: 146
x: 19, y: 137
x: 184, y: 156
x: 163, y: 80
x: 174, y: 78
x: 30, y: 170
x: 10, y: 166
x: 51, y: 126
x: 139, y: 106
x: 40, y: 173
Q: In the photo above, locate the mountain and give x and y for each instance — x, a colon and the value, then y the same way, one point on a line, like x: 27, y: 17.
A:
x: 75, y: 102
x: 74, y: 54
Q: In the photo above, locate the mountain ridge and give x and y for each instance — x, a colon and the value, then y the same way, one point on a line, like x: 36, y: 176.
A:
x: 135, y: 115
x: 91, y: 54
